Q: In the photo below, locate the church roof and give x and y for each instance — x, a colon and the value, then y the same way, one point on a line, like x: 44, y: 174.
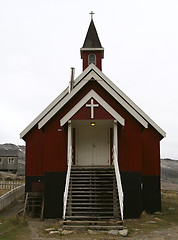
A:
x: 92, y: 39
x: 92, y: 72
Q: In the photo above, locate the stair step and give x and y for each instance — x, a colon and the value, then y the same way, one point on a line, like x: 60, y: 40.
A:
x: 91, y: 189
x: 95, y: 190
x: 92, y: 167
x: 93, y: 222
x: 90, y: 208
x: 88, y: 202
x: 93, y: 227
x: 91, y: 182
x: 92, y: 175
x: 91, y: 213
x: 79, y: 217
x: 101, y: 173
x: 86, y: 182
x: 91, y: 204
x: 79, y: 196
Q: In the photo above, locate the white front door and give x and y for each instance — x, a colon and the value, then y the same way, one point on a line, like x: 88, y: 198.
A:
x: 92, y: 146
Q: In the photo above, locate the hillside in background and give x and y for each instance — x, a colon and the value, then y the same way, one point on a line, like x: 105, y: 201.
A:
x: 169, y: 170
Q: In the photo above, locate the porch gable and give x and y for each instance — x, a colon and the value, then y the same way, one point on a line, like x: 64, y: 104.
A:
x: 101, y: 101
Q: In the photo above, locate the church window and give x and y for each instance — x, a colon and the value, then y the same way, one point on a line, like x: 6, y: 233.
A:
x: 92, y: 59
x: 10, y: 160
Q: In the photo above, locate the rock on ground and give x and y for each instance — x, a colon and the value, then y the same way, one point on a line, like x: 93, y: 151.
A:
x: 113, y: 232
x: 123, y: 232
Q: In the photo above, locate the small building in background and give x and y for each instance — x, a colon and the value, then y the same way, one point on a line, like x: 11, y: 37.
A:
x: 9, y: 160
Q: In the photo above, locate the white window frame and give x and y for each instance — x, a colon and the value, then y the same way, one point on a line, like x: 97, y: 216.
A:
x: 11, y: 160
x: 91, y: 58
x: 1, y: 160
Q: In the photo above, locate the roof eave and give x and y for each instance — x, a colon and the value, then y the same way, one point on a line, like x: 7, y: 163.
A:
x: 92, y: 50
x: 43, y: 113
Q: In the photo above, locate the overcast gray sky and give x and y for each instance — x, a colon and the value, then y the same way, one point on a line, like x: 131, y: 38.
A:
x: 40, y: 41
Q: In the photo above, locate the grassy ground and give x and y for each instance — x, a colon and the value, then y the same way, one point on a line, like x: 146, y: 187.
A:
x: 16, y: 228
x: 150, y: 222
x: 13, y: 228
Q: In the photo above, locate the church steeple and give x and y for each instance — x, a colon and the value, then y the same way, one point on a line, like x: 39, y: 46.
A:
x: 92, y: 50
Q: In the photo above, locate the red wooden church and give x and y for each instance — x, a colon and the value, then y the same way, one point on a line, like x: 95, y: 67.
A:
x: 92, y: 133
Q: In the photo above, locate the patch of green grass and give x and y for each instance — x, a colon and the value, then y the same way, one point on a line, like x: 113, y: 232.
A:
x: 170, y: 207
x: 13, y: 228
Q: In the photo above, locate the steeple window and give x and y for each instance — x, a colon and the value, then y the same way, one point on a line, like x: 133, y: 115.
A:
x: 92, y: 59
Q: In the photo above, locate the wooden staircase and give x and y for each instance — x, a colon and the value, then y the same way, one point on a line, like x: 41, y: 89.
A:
x: 92, y: 199
x: 34, y: 203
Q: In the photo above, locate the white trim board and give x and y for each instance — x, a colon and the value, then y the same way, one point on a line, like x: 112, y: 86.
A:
x: 88, y: 96
x: 43, y: 113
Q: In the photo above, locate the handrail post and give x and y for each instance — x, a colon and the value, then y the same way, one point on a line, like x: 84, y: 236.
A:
x: 67, y: 182
x: 118, y: 181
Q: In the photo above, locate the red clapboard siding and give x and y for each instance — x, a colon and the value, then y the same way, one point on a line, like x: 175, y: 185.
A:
x: 130, y: 147
x: 34, y: 153
x: 55, y: 146
x: 151, y: 152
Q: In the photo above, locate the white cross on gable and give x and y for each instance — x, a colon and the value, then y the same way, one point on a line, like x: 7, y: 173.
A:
x: 92, y: 106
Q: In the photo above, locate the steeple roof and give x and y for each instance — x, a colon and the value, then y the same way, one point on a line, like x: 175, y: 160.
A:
x: 92, y: 39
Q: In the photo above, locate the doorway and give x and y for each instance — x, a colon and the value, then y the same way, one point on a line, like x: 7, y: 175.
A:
x: 92, y: 146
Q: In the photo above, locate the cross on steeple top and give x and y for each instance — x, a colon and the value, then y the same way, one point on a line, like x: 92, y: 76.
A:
x: 91, y: 14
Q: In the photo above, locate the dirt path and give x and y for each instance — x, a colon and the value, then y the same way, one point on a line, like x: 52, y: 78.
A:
x: 35, y: 228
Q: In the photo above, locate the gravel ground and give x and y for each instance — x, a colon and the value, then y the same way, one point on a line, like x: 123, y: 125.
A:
x: 164, y: 234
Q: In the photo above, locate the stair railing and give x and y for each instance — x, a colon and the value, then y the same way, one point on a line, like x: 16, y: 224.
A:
x: 118, y: 180
x: 67, y: 182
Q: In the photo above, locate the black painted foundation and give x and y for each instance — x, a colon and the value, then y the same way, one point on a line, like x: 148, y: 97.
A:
x: 54, y: 191
x: 131, y: 183
x: 141, y: 193
x: 151, y: 194
x: 53, y: 187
